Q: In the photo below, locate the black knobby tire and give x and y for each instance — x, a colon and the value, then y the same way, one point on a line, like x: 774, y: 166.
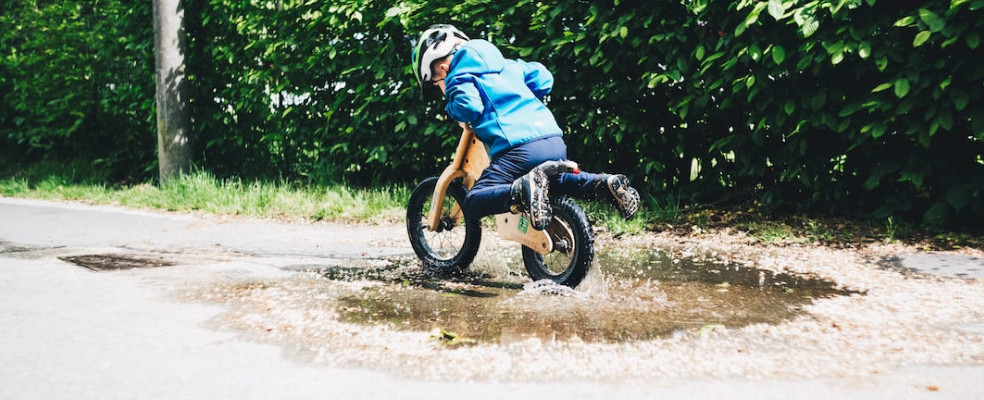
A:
x: 564, y: 267
x: 455, y: 243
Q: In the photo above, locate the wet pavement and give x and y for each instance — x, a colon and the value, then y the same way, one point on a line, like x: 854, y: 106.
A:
x: 100, y: 302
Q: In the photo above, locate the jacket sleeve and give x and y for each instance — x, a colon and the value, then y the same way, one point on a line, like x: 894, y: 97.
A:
x: 538, y: 78
x: 464, y: 101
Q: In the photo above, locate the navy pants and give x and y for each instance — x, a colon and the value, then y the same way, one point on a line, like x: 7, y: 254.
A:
x: 490, y: 195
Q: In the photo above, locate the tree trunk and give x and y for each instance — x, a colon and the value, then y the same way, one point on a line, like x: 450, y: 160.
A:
x: 173, y: 122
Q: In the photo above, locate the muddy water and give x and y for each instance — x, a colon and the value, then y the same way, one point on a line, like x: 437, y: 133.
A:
x: 639, y: 294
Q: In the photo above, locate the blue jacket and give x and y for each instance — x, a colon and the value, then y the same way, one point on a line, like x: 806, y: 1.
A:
x: 499, y: 98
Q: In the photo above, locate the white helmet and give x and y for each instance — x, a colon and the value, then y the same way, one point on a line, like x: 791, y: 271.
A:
x: 435, y: 43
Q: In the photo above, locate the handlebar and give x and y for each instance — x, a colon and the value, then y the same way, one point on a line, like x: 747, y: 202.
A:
x: 551, y: 168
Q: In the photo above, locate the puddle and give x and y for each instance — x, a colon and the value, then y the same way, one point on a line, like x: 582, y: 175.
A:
x: 114, y: 262
x: 636, y: 295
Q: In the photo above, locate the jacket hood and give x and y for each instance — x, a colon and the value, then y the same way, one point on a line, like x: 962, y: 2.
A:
x: 477, y: 57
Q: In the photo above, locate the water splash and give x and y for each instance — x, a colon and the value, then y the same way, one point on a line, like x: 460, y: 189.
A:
x: 548, y: 287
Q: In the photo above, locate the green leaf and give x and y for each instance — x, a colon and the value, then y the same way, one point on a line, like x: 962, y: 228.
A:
x: 977, y: 125
x: 864, y: 50
x: 945, y: 119
x: 957, y: 3
x: 905, y: 21
x: 752, y: 93
x: 881, y: 87
x: 958, y: 196
x: 776, y: 9
x: 804, y: 63
x: 579, y: 48
x: 916, y: 177
x: 881, y: 63
x: 818, y: 100
x: 960, y: 101
x: 790, y: 107
x: 713, y: 57
x: 842, y: 126
x: 946, y: 83
x: 682, y: 110
x: 937, y: 214
x: 809, y: 26
x: 921, y: 38
x: 901, y: 87
x: 755, y: 52
x: 973, y: 40
x: 623, y: 31
x: 700, y: 52
x: 878, y: 131
x: 849, y: 109
x: 753, y: 16
x: 931, y: 19
x: 873, y: 181
x: 778, y: 54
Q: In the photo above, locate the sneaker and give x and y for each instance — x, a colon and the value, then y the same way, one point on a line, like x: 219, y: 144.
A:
x: 529, y: 195
x: 626, y: 197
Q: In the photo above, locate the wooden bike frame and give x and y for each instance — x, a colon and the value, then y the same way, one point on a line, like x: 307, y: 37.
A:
x: 470, y: 159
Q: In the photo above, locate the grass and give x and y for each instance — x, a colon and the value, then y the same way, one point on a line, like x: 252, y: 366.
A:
x: 652, y: 213
x: 203, y: 192
x: 801, y: 229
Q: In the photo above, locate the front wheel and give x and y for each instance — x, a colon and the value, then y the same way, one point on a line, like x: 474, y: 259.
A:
x: 454, y: 242
x: 568, y: 263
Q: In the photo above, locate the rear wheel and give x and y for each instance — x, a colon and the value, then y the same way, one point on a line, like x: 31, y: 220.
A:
x: 573, y: 252
x: 454, y: 244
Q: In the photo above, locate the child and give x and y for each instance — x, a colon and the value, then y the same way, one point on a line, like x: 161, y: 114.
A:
x: 501, y: 100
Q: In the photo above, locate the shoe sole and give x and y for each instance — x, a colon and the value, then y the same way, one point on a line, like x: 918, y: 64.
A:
x: 626, y: 197
x: 539, y: 201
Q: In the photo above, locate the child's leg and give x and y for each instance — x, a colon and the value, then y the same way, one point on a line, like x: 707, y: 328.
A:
x: 489, y: 196
x: 584, y: 185
x: 491, y: 193
x: 587, y: 185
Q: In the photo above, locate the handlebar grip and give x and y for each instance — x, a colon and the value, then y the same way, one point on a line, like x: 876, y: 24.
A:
x: 551, y: 168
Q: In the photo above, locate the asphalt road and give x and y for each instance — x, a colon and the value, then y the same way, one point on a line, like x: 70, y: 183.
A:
x: 68, y: 332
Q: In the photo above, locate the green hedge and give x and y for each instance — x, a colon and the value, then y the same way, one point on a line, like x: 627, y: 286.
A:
x: 847, y: 105
x: 851, y: 107
x: 76, y: 80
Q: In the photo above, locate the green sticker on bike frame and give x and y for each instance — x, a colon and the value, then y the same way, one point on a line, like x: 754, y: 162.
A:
x: 524, y: 224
